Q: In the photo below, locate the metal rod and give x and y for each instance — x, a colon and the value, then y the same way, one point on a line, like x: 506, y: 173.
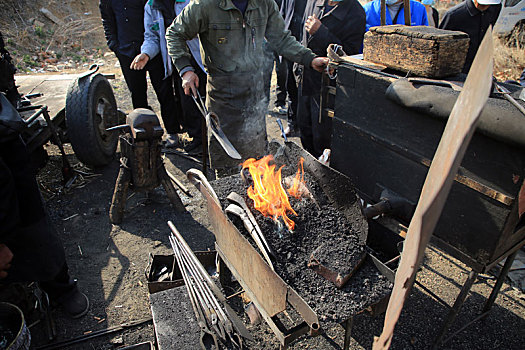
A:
x: 465, y: 326
x: 501, y: 278
x: 203, y: 289
x: 207, y: 294
x: 37, y: 114
x: 432, y: 294
x: 348, y: 333
x: 179, y: 184
x: 232, y: 316
x: 383, y: 12
x: 451, y: 317
x: 191, y: 292
x: 408, y: 19
x: 62, y: 344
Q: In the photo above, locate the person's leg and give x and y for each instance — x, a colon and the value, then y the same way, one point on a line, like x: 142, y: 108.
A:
x: 170, y: 106
x: 304, y: 121
x: 136, y: 82
x: 281, y: 71
x: 322, y: 132
x: 192, y: 116
x: 291, y: 87
x: 37, y: 250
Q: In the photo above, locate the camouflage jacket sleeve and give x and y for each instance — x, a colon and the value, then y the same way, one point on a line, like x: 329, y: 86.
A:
x: 190, y: 22
x: 283, y: 42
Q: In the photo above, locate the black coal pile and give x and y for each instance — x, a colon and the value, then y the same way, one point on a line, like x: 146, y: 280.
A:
x: 317, y: 224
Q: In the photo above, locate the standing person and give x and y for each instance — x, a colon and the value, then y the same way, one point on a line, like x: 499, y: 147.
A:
x: 123, y: 22
x: 474, y: 18
x: 395, y: 13
x: 432, y: 13
x: 30, y: 249
x: 292, y: 12
x: 158, y: 15
x: 232, y: 35
x: 325, y: 22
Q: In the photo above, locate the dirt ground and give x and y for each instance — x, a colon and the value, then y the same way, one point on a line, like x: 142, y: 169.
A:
x: 110, y: 260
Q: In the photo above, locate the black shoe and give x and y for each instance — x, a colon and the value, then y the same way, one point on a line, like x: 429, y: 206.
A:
x: 194, y: 147
x: 76, y: 305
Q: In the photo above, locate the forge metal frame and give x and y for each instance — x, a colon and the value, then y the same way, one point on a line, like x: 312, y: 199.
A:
x: 270, y: 294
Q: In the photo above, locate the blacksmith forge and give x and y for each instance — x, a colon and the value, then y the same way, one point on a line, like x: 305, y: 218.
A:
x: 392, y: 127
x: 141, y: 165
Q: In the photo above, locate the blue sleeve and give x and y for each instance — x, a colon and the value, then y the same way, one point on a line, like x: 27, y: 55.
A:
x: 151, y: 44
x: 373, y: 17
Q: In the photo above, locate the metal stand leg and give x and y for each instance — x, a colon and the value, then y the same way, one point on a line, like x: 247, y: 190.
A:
x: 118, y: 203
x: 170, y: 190
x: 501, y: 278
x: 348, y: 333
x: 451, y: 317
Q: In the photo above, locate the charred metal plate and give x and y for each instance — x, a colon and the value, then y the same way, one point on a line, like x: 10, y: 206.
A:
x: 269, y: 289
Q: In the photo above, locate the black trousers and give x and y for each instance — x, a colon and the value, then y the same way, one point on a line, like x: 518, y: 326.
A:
x: 170, y: 106
x: 25, y: 227
x: 315, y: 136
x: 293, y: 94
x: 281, y: 70
x: 192, y: 116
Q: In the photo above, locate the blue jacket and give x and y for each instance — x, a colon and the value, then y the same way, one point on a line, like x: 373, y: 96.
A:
x: 156, y: 19
x: 418, y: 14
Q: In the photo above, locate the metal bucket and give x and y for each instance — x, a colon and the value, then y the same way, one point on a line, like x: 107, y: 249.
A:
x: 14, y: 334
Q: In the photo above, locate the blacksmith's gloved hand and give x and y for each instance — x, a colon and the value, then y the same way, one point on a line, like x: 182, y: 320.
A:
x: 190, y: 82
x: 5, y: 260
x: 319, y: 63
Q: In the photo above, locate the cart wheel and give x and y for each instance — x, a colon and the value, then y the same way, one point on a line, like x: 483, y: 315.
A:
x: 91, y: 109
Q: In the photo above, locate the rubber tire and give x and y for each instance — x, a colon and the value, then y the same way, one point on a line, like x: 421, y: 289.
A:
x: 91, y: 145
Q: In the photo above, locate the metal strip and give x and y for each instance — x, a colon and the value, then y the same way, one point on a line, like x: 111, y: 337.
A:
x: 464, y: 180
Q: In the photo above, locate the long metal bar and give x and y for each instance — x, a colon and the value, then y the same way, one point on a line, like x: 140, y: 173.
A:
x: 191, y: 292
x: 468, y: 324
x: 383, y: 12
x: 201, y: 320
x: 406, y: 6
x: 501, y: 278
x: 82, y: 338
x: 211, y: 302
x: 451, y: 317
x: 348, y: 333
x: 432, y: 294
x: 242, y: 203
x: 232, y: 316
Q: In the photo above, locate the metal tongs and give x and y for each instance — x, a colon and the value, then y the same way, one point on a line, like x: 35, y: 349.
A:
x: 212, y: 123
x: 240, y: 209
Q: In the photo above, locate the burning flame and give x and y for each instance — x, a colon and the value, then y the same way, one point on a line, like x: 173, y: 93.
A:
x: 268, y: 194
x: 297, y: 181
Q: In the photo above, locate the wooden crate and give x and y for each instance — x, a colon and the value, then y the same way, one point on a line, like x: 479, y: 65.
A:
x: 420, y: 50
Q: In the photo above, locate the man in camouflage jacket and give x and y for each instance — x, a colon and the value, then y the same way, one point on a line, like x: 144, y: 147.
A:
x: 232, y: 34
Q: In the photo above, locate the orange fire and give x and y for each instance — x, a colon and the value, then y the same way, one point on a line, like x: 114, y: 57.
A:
x: 267, y: 192
x: 298, y: 180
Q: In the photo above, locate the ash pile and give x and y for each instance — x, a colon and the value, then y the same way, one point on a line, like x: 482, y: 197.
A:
x: 318, y: 246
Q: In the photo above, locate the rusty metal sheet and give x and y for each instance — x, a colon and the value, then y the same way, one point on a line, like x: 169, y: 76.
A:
x: 267, y: 287
x: 53, y: 88
x: 456, y: 137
